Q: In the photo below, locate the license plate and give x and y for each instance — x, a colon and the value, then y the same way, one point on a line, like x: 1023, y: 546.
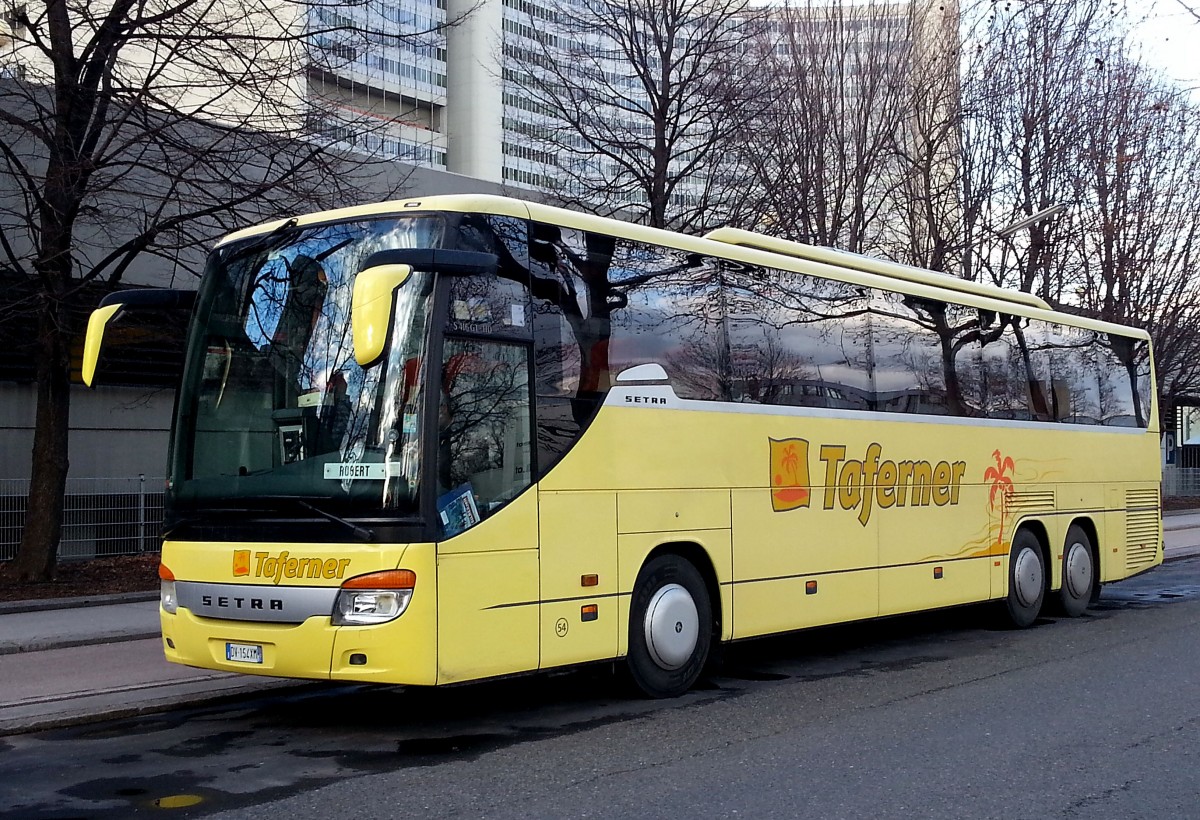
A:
x: 243, y: 652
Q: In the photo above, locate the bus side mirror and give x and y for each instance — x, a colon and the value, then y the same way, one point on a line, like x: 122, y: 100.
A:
x: 154, y: 300
x: 371, y: 309
x: 94, y: 340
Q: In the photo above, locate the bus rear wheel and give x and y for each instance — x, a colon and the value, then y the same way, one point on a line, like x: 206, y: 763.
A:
x: 670, y: 627
x: 1026, y: 580
x: 1079, y: 572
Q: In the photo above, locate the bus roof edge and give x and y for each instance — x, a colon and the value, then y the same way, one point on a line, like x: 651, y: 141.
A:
x: 867, y: 264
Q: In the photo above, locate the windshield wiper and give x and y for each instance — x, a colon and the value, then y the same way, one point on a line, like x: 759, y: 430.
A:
x: 361, y: 533
x: 254, y: 505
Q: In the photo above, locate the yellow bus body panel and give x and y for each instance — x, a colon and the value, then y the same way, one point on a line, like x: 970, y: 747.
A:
x: 945, y: 542
x: 403, y: 650
x: 516, y: 593
x: 487, y: 587
x: 578, y: 570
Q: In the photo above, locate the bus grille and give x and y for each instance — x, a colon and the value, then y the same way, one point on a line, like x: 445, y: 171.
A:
x: 1141, y: 528
x: 1031, y: 501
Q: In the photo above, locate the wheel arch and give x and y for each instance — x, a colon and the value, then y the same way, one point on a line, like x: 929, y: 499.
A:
x: 696, y: 555
x: 1088, y: 525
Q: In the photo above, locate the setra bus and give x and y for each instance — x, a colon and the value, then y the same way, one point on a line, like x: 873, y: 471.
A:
x: 460, y: 437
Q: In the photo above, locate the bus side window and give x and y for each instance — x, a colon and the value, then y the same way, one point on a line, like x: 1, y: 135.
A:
x: 569, y: 272
x: 1124, y: 371
x: 483, y: 422
x: 910, y: 371
x: 797, y: 340
x: 1006, y: 377
x: 666, y: 308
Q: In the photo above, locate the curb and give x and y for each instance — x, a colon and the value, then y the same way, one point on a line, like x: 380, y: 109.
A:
x: 43, y: 604
x: 68, y: 643
x: 185, y: 695
x: 1180, y: 554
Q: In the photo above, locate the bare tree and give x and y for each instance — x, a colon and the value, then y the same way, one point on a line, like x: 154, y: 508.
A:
x: 134, y: 129
x: 639, y: 101
x: 1022, y: 121
x: 823, y: 156
x: 1136, y: 237
x: 937, y: 200
x: 1189, y: 9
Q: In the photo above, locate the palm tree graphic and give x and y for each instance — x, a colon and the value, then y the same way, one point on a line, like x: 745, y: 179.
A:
x: 1002, y: 485
x: 790, y: 461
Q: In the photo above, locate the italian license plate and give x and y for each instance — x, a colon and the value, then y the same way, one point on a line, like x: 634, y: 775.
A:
x: 243, y: 652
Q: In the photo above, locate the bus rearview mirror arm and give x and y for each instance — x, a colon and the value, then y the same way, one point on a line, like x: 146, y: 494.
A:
x: 385, y: 271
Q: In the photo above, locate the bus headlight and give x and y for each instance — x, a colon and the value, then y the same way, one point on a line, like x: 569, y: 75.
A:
x: 375, y: 598
x: 166, y: 590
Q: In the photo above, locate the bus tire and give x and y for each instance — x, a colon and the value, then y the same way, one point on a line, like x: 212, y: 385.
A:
x: 1078, y: 572
x: 1026, y: 579
x: 670, y: 627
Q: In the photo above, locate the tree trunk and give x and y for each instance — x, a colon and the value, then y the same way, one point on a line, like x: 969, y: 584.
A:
x: 38, y: 553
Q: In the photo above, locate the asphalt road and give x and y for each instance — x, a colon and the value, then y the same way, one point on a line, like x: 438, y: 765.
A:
x: 935, y: 716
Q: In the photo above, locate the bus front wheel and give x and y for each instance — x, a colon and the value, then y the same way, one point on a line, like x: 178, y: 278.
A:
x: 1079, y: 572
x: 670, y: 627
x: 1026, y: 579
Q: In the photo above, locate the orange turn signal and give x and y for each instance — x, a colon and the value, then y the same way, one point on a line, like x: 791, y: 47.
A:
x: 388, y: 579
x: 165, y: 574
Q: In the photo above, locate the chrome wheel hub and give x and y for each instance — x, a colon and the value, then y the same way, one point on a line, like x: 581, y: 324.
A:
x: 1077, y: 571
x: 1027, y: 577
x: 672, y: 626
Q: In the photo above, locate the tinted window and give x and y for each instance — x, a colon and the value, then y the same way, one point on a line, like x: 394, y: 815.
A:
x: 665, y: 308
x: 726, y: 331
x: 1074, y: 379
x: 798, y: 340
x: 572, y: 328
x: 926, y: 356
x: 493, y: 305
x: 1123, y: 366
x: 484, y: 456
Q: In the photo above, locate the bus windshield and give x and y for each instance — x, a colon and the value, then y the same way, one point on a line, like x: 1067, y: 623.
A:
x: 273, y: 405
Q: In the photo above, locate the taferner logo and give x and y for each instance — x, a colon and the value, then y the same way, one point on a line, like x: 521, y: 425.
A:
x: 789, y: 474
x: 861, y: 485
x: 278, y: 567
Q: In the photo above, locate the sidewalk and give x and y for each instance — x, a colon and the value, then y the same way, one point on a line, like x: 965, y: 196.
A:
x: 79, y: 660
x: 72, y: 661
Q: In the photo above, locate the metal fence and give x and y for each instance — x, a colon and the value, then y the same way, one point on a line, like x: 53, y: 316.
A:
x: 123, y: 516
x: 1180, y: 481
x: 101, y: 516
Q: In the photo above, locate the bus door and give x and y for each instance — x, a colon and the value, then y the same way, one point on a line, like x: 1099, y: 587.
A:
x: 486, y: 505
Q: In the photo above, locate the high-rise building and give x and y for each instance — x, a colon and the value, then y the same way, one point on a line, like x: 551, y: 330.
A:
x: 443, y: 83
x: 442, y: 79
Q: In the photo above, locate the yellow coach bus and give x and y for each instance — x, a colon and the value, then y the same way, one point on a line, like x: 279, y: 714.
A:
x: 460, y: 437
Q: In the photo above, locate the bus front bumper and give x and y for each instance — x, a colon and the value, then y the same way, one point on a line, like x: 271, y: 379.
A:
x: 398, y: 652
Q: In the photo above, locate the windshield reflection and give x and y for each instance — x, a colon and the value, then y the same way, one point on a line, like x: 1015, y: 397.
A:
x: 273, y: 404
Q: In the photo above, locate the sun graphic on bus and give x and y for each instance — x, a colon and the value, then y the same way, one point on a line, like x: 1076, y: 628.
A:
x: 789, y: 474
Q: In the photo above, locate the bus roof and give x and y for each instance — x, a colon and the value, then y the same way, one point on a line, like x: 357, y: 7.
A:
x: 883, y: 267
x: 733, y: 243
